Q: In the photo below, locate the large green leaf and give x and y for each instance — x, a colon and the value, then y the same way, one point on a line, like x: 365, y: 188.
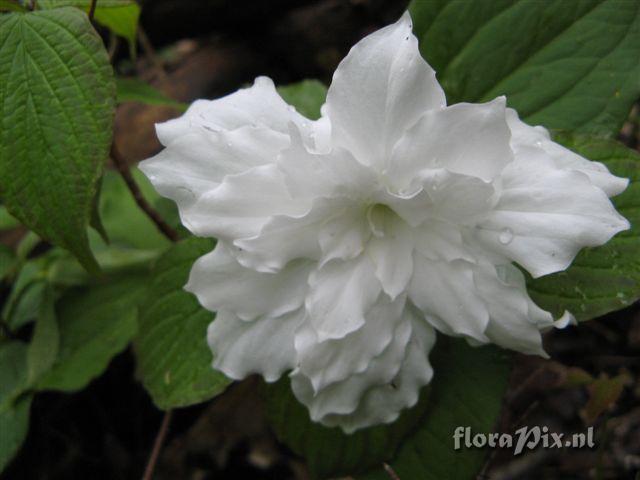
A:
x: 174, y: 361
x: 119, y: 16
x: 328, y: 451
x: 466, y: 391
x: 57, y: 100
x: 570, y: 65
x: 96, y: 323
x: 14, y: 406
x: 7, y: 261
x: 605, y: 278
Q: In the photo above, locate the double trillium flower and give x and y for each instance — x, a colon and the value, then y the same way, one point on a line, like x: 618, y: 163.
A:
x: 345, y: 243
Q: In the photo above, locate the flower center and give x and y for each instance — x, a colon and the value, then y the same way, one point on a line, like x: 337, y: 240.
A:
x: 379, y: 217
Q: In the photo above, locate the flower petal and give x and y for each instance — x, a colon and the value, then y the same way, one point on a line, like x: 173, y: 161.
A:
x: 515, y: 321
x: 391, y: 250
x: 466, y: 138
x: 263, y: 346
x: 324, y: 363
x: 524, y: 136
x: 343, y: 397
x: 447, y: 295
x: 391, y: 383
x: 340, y: 295
x: 379, y: 90
x: 221, y: 283
x: 258, y: 105
x: 545, y: 215
x: 196, y: 162
x: 439, y: 240
x: 241, y: 205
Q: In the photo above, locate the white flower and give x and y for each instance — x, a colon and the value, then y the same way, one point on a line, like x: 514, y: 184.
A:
x: 344, y: 242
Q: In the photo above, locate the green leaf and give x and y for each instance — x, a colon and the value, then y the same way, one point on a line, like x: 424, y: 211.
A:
x: 14, y: 407
x: 307, y: 96
x: 121, y: 20
x: 328, y: 451
x: 605, y: 278
x: 57, y: 95
x: 11, y: 6
x: 43, y: 349
x: 23, y: 303
x: 14, y: 425
x: 135, y: 90
x: 570, y: 65
x: 7, y: 261
x: 174, y: 360
x: 7, y: 221
x: 96, y: 323
x: 119, y: 16
x: 467, y: 390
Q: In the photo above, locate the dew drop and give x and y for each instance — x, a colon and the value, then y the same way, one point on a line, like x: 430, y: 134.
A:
x: 505, y: 236
x: 538, y: 143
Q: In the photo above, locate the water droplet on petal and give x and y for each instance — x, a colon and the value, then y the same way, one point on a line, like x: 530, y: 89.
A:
x: 538, y: 143
x: 505, y: 236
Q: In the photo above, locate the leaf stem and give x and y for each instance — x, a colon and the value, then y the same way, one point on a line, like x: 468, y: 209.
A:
x: 92, y: 9
x: 157, y: 445
x: 122, y: 166
x: 392, y: 474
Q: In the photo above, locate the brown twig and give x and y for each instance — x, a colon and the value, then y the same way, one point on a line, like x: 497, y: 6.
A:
x: 92, y: 9
x: 392, y: 474
x: 150, y: 52
x: 122, y: 166
x: 157, y: 445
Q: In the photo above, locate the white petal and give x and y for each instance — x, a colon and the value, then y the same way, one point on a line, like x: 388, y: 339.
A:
x: 258, y: 105
x: 221, y: 283
x: 443, y: 195
x: 524, y: 136
x: 378, y: 394
x: 340, y: 295
x: 438, y: 240
x: 379, y: 90
x: 447, y: 294
x: 331, y: 174
x: 284, y: 238
x: 515, y: 321
x: 241, y: 205
x: 470, y: 139
x: 263, y: 346
x: 391, y: 249
x: 384, y: 404
x: 332, y: 361
x: 198, y: 161
x: 343, y: 397
x: 545, y: 215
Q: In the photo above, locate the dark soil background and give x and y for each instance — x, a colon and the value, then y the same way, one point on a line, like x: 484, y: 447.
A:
x: 203, y: 49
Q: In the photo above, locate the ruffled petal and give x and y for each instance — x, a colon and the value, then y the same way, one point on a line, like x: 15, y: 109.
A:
x: 470, y: 139
x: 221, y: 283
x: 545, y: 215
x: 344, y: 396
x: 447, y: 295
x: 391, y: 383
x: 524, y: 136
x: 241, y: 205
x: 441, y: 195
x: 379, y: 90
x: 515, y: 321
x: 259, y: 105
x: 340, y: 295
x: 263, y: 346
x: 439, y: 240
x: 324, y: 363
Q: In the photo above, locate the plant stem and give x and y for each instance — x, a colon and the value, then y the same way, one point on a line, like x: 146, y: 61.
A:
x: 392, y: 475
x: 122, y: 166
x: 157, y: 445
x: 92, y: 9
